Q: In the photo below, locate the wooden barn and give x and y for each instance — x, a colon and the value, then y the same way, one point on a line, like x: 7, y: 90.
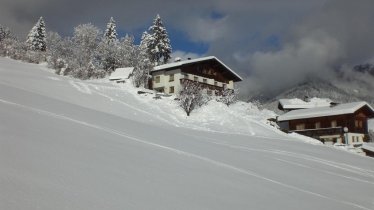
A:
x: 343, y: 123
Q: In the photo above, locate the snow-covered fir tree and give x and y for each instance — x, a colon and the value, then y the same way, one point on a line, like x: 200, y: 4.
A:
x: 5, y: 33
x: 109, y: 48
x: 158, y: 42
x: 110, y: 34
x: 107, y: 55
x: 126, y: 51
x: 36, y: 39
x: 143, y: 65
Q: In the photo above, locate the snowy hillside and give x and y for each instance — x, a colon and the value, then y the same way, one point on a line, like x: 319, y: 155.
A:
x: 71, y: 144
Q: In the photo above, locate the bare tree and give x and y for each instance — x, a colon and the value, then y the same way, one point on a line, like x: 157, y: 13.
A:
x: 191, y: 96
x: 228, y: 96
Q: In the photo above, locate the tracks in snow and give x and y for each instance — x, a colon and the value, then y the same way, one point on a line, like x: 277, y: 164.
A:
x: 188, y: 154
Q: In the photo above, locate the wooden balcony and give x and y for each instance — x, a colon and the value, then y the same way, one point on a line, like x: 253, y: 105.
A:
x: 204, y: 85
x: 316, y: 133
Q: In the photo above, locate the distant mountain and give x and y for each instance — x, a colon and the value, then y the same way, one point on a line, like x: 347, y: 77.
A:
x: 353, y: 85
x: 365, y: 68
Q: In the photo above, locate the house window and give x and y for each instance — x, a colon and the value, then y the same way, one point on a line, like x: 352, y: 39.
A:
x: 171, y: 77
x: 171, y: 89
x: 300, y: 126
x: 318, y: 124
x: 334, y: 124
x: 216, y: 83
x: 358, y: 123
x: 159, y: 90
x: 157, y: 79
x: 195, y: 79
x: 205, y: 80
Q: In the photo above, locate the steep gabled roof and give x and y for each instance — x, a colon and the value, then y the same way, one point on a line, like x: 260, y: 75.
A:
x: 348, y: 108
x: 121, y: 73
x: 178, y: 64
x: 368, y: 146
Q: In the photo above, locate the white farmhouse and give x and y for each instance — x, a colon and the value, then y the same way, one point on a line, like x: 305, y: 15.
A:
x: 209, y: 71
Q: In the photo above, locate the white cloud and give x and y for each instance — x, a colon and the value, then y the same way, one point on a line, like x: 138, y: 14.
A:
x: 337, y: 35
x: 314, y: 36
x: 312, y: 56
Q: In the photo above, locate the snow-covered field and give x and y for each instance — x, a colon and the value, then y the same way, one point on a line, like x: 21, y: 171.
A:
x: 71, y: 144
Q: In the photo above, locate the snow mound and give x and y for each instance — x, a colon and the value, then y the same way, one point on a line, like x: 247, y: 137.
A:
x: 306, y: 139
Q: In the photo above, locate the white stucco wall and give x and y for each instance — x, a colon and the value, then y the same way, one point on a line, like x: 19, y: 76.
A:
x: 371, y: 124
x: 230, y: 85
x: 355, y: 138
x: 165, y: 82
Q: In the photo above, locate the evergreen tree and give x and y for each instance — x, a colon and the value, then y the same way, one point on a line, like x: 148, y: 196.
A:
x: 5, y: 33
x: 142, y: 64
x: 127, y: 50
x: 36, y: 40
x: 110, y: 34
x: 109, y: 48
x: 106, y: 54
x: 145, y: 44
x: 158, y: 42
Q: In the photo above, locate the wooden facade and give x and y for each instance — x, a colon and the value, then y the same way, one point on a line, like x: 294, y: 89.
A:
x: 211, y: 73
x: 209, y: 69
x: 356, y: 123
x: 218, y: 90
x: 332, y: 126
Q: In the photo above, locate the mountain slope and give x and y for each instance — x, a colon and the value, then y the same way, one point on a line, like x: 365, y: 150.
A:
x: 68, y: 144
x: 349, y: 87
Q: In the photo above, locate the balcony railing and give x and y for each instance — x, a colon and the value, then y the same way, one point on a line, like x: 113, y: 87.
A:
x: 204, y: 85
x: 316, y: 133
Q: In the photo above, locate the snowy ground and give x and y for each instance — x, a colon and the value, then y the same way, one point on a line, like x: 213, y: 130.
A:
x: 70, y: 144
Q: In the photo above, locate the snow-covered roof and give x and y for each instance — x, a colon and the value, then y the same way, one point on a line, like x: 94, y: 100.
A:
x: 121, y: 73
x: 348, y: 108
x: 184, y: 62
x: 296, y: 103
x: 368, y: 146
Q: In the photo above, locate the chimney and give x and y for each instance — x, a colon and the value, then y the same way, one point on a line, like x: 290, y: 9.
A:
x: 177, y: 59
